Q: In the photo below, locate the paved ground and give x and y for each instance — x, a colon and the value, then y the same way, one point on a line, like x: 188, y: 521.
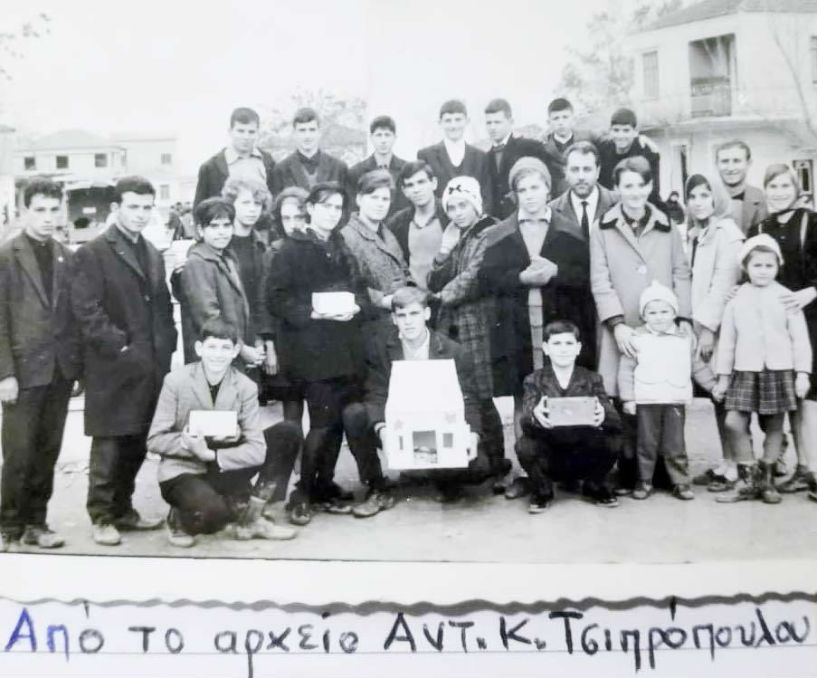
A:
x: 481, y: 527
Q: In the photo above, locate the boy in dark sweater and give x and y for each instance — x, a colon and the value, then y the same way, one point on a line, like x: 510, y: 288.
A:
x: 569, y: 454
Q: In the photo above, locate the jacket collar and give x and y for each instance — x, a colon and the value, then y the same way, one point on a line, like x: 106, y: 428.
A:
x: 436, y: 346
x: 28, y: 262
x: 125, y: 250
x: 204, y: 251
x: 356, y: 224
x: 227, y: 392
x: 614, y: 218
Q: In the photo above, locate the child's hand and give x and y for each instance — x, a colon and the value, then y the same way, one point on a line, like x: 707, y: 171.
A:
x: 802, y: 384
x: 598, y: 414
x: 629, y: 407
x: 540, y: 413
x: 720, y: 388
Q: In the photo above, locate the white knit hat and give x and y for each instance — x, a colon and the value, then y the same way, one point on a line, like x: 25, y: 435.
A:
x: 760, y: 240
x: 464, y: 187
x: 657, y: 292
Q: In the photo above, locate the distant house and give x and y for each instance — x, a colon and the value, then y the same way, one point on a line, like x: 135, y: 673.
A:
x: 723, y: 69
x: 7, y: 141
x: 88, y: 165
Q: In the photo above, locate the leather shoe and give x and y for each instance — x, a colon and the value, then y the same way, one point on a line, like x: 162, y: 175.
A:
x: 132, y: 521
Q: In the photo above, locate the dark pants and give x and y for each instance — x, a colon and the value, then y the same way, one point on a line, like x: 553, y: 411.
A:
x: 567, y: 454
x: 334, y: 408
x: 31, y: 439
x: 492, y: 440
x: 114, y: 465
x: 205, y: 503
x: 661, y: 432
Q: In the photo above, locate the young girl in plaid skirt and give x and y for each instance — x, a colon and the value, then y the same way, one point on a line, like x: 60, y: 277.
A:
x: 763, y: 365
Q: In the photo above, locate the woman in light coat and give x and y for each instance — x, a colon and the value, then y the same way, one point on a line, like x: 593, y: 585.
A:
x: 714, y: 244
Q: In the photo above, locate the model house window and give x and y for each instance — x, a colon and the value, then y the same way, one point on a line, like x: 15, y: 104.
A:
x: 649, y: 62
x: 30, y: 162
x: 813, y: 58
x: 167, y: 158
x: 62, y: 162
x: 164, y: 192
x: 100, y: 160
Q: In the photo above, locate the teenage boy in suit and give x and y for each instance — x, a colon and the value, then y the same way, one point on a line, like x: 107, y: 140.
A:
x: 39, y: 361
x: 241, y: 159
x: 383, y: 133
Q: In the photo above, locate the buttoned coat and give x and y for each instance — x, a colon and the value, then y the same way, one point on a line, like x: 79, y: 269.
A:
x: 621, y: 267
x: 474, y: 164
x: 186, y: 389
x: 213, y: 174
x: 211, y: 289
x: 126, y: 320
x: 563, y: 206
x: 565, y: 297
x: 38, y: 336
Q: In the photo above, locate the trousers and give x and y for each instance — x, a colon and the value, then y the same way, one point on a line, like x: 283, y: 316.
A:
x: 661, y: 432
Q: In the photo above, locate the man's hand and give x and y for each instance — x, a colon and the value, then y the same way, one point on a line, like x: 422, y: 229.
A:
x: 540, y: 413
x: 624, y: 334
x: 385, y: 302
x: 706, y: 343
x: 252, y: 355
x: 473, y: 445
x: 648, y: 143
x: 539, y: 273
x: 720, y: 388
x: 797, y: 301
x: 270, y: 359
x: 802, y: 384
x: 598, y: 414
x: 197, y: 446
x: 628, y: 407
x: 9, y: 390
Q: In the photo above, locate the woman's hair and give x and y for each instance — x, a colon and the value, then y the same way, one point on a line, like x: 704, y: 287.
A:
x: 260, y: 193
x: 779, y: 169
x: 295, y: 193
x: 720, y: 200
x: 637, y: 164
x: 213, y: 208
x: 323, y: 190
x: 371, y: 181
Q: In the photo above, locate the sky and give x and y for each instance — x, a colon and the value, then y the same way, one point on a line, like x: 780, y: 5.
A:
x: 179, y: 67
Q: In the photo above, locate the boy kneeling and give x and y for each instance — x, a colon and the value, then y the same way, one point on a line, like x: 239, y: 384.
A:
x: 566, y: 453
x: 207, y: 480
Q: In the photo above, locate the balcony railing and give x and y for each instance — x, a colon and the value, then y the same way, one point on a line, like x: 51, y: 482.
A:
x: 711, y: 97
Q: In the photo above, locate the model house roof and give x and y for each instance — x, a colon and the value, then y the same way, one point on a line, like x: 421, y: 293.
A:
x: 710, y: 9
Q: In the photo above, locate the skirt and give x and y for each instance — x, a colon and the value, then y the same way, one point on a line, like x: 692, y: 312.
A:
x: 766, y: 392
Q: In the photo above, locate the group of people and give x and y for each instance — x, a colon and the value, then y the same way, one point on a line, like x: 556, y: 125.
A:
x: 544, y: 270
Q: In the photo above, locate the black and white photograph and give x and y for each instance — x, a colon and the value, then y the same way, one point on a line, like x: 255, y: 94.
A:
x: 458, y: 282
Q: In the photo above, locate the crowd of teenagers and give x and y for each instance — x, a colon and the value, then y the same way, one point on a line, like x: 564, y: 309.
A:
x: 542, y: 269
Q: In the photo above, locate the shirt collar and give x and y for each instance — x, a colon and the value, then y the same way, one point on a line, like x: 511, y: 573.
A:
x: 422, y: 350
x: 642, y: 222
x: 524, y: 217
x: 231, y: 156
x: 592, y: 201
x: 504, y: 142
x: 456, y: 146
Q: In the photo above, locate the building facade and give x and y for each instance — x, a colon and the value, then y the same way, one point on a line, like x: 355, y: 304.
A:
x: 725, y: 69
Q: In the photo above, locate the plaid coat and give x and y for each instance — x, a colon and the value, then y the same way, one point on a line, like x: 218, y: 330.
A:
x: 466, y: 314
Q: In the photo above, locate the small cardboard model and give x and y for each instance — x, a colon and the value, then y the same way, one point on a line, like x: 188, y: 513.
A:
x: 425, y: 417
x: 333, y: 303
x: 571, y: 411
x: 213, y: 422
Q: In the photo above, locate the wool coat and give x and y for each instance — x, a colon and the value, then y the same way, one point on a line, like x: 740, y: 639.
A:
x: 380, y: 355
x: 290, y: 172
x: 126, y: 320
x: 621, y: 267
x: 310, y: 349
x: 565, y: 297
x: 474, y: 164
x: 501, y: 197
x: 186, y: 389
x: 211, y: 288
x: 214, y: 173
x: 466, y: 312
x: 39, y: 338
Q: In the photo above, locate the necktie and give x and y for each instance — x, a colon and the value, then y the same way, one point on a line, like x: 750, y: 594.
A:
x: 585, y: 221
x: 694, y: 250
x: 498, y: 155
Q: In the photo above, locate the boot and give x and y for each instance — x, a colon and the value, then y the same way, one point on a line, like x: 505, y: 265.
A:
x: 798, y: 482
x: 768, y: 492
x: 251, y: 525
x: 746, y: 487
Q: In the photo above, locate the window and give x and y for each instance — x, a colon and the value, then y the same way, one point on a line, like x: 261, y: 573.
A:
x: 712, y: 73
x: 649, y: 62
x: 813, y: 58
x: 62, y: 162
x: 30, y: 162
x: 164, y: 192
x: 167, y: 158
x: 805, y: 174
x: 100, y: 160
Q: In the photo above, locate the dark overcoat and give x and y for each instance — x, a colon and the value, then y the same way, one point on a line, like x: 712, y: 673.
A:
x: 37, y: 336
x: 474, y: 164
x: 501, y: 198
x: 214, y: 173
x: 290, y: 172
x: 126, y: 319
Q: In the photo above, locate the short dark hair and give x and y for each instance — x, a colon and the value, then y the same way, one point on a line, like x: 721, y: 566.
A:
x: 321, y: 191
x: 305, y: 114
x: 41, y: 186
x: 412, y: 168
x: 453, y: 106
x: 559, y: 104
x: 637, y: 164
x: 213, y: 208
x: 371, y: 181
x: 245, y: 116
x: 497, y: 105
x: 218, y: 329
x: 383, y: 122
x: 624, y: 116
x: 406, y: 296
x: 561, y: 327
x: 734, y: 143
x: 132, y: 184
x: 584, y: 148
